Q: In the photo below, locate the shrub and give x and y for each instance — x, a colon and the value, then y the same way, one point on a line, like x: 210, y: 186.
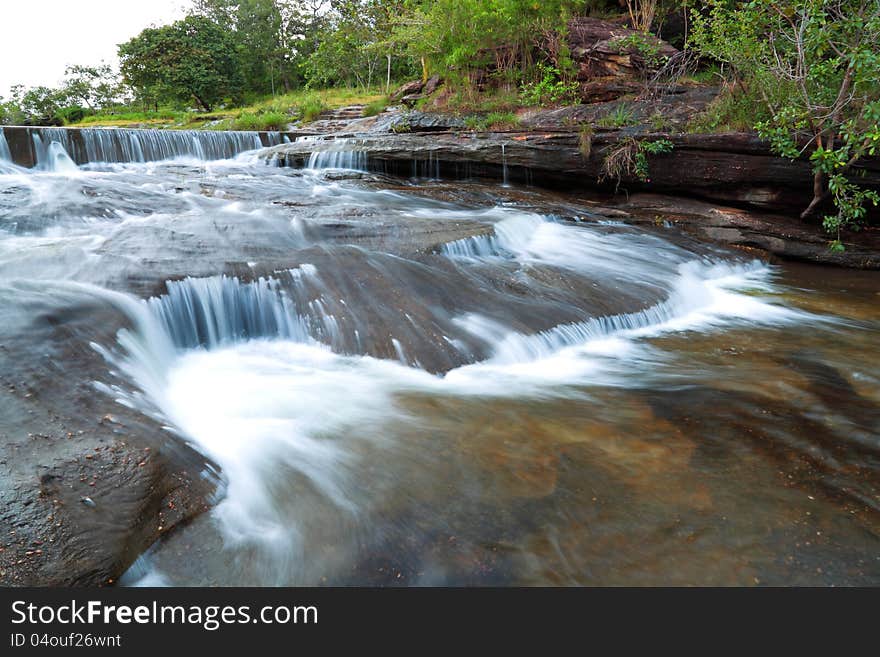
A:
x: 376, y: 107
x: 552, y: 88
x: 260, y: 121
x: 620, y: 117
x: 310, y: 107
x: 73, y: 114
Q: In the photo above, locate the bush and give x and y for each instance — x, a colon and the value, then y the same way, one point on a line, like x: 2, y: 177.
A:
x: 376, y: 107
x: 620, y: 117
x: 72, y: 114
x: 261, y: 121
x: 310, y: 107
x: 550, y: 89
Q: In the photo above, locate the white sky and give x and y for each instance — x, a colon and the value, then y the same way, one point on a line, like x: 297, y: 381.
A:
x: 38, y: 38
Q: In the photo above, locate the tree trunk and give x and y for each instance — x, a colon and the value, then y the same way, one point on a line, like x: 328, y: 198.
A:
x: 820, y: 194
x: 388, y: 76
x: 201, y: 102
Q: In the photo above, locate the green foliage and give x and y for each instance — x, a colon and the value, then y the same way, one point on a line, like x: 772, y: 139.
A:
x: 126, y: 117
x: 91, y: 86
x: 272, y: 38
x: 466, y: 100
x: 710, y: 74
x: 585, y: 140
x: 376, y: 107
x: 658, y: 122
x: 550, y: 89
x: 72, y: 114
x: 645, y: 45
x: 402, y: 126
x: 736, y: 109
x: 815, y: 66
x: 645, y: 148
x: 310, y: 107
x: 261, y: 121
x: 629, y: 157
x: 465, y: 38
x: 619, y: 117
x: 193, y: 58
x: 492, y: 121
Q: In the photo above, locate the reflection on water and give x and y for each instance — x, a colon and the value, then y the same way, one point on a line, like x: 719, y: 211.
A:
x: 401, y: 390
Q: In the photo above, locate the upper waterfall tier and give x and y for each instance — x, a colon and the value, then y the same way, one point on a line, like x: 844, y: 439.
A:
x: 27, y: 146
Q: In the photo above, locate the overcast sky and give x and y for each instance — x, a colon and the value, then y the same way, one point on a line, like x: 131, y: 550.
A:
x: 38, y: 38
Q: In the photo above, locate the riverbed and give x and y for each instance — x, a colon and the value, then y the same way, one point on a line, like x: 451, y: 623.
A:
x: 429, y: 382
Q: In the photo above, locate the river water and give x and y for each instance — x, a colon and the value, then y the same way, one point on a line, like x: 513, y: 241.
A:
x: 419, y: 382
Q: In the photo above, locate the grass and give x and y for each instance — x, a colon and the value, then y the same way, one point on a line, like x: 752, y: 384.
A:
x: 376, y: 107
x: 620, y: 117
x: 585, y: 140
x: 466, y: 100
x: 731, y: 111
x: 709, y: 75
x: 272, y: 113
x: 266, y: 121
x: 492, y: 121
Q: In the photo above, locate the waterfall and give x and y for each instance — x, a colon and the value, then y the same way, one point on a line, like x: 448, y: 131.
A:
x: 476, y: 246
x: 342, y: 154
x: 5, y: 155
x: 52, y: 156
x: 508, y: 236
x: 104, y: 145
x: 504, y: 183
x: 220, y: 310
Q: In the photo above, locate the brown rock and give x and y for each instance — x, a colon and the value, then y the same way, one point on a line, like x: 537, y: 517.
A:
x: 408, y: 89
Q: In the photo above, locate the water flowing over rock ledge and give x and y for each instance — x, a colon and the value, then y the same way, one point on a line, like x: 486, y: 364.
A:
x: 43, y: 147
x: 766, y: 192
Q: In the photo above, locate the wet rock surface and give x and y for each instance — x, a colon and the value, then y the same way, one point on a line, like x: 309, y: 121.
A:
x: 87, y: 486
x: 424, y: 381
x: 732, y: 170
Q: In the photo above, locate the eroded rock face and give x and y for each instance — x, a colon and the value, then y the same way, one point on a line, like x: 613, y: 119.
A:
x: 612, y: 59
x: 730, y: 168
x: 407, y: 89
x: 85, y: 491
x: 735, y: 169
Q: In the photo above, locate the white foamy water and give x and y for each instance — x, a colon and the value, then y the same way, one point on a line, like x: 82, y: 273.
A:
x: 377, y: 402
x: 270, y: 404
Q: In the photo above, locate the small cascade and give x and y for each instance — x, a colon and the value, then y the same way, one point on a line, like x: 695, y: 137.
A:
x: 505, y: 182
x: 476, y: 246
x: 221, y: 310
x: 58, y: 160
x: 5, y: 154
x: 508, y: 236
x: 342, y: 154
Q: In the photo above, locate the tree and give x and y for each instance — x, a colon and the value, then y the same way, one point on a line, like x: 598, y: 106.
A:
x: 815, y: 67
x: 464, y: 37
x: 273, y: 38
x: 92, y: 86
x: 349, y: 47
x: 38, y: 105
x: 193, y: 58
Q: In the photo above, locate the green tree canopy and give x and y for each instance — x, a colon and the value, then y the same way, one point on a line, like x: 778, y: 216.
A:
x: 815, y: 66
x: 194, y: 58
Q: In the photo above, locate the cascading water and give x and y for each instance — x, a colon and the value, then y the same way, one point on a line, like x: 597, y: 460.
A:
x: 5, y: 154
x: 343, y: 154
x: 395, y: 388
x: 99, y: 145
